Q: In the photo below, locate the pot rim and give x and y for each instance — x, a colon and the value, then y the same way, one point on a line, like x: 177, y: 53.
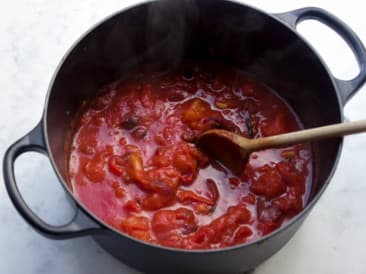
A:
x: 104, y: 225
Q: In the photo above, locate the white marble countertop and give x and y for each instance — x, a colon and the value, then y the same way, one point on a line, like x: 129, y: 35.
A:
x: 35, y: 35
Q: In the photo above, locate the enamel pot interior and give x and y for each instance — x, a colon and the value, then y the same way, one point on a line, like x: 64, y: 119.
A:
x: 165, y: 33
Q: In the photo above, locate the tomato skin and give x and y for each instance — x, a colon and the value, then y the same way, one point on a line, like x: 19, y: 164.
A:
x: 119, y: 191
x: 267, y: 228
x: 134, y: 166
x: 221, y: 230
x: 290, y: 203
x: 242, y: 234
x: 249, y: 199
x: 267, y: 212
x: 197, y: 109
x: 164, y: 180
x: 182, y: 157
x: 137, y: 227
x: 132, y: 207
x: 94, y: 169
x: 115, y: 165
x: 187, y: 197
x: 135, y: 163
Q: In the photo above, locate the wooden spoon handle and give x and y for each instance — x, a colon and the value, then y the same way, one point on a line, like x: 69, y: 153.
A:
x: 308, y: 135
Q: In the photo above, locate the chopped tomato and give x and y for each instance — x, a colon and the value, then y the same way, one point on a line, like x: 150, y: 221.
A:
x: 137, y: 226
x: 134, y: 160
x: 116, y: 165
x: 214, y: 193
x: 291, y: 202
x: 242, y: 234
x: 179, y: 222
x: 269, y: 184
x: 156, y: 201
x: 118, y: 190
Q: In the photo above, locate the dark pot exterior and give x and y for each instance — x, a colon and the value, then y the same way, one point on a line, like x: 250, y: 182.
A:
x: 164, y: 33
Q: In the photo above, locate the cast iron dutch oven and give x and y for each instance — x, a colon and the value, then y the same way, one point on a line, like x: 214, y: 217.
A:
x: 164, y: 33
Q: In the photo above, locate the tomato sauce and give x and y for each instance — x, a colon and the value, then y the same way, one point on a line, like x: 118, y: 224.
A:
x: 134, y: 164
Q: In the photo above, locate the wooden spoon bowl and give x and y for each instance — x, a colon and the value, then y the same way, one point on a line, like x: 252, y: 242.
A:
x: 233, y: 150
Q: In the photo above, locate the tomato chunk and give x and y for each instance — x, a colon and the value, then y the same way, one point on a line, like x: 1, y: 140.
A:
x: 116, y: 165
x: 222, y: 229
x: 118, y: 190
x: 183, y: 157
x: 290, y: 203
x: 196, y: 110
x: 134, y: 166
x: 132, y: 206
x: 269, y: 184
x: 94, y: 168
x: 156, y: 201
x: 291, y: 176
x: 242, y: 234
x: 164, y: 180
x: 173, y: 223
x: 137, y: 226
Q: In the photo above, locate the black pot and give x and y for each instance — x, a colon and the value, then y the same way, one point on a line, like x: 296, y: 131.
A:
x: 164, y: 33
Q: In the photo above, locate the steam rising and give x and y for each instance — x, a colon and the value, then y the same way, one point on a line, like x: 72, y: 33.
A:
x: 172, y: 23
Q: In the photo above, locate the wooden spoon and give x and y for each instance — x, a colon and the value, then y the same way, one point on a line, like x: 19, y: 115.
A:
x: 233, y: 150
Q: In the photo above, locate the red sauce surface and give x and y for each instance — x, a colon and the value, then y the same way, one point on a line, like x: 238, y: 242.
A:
x: 134, y: 165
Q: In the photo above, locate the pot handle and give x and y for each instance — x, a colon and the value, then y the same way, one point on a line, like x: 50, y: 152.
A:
x: 34, y: 141
x: 347, y: 88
